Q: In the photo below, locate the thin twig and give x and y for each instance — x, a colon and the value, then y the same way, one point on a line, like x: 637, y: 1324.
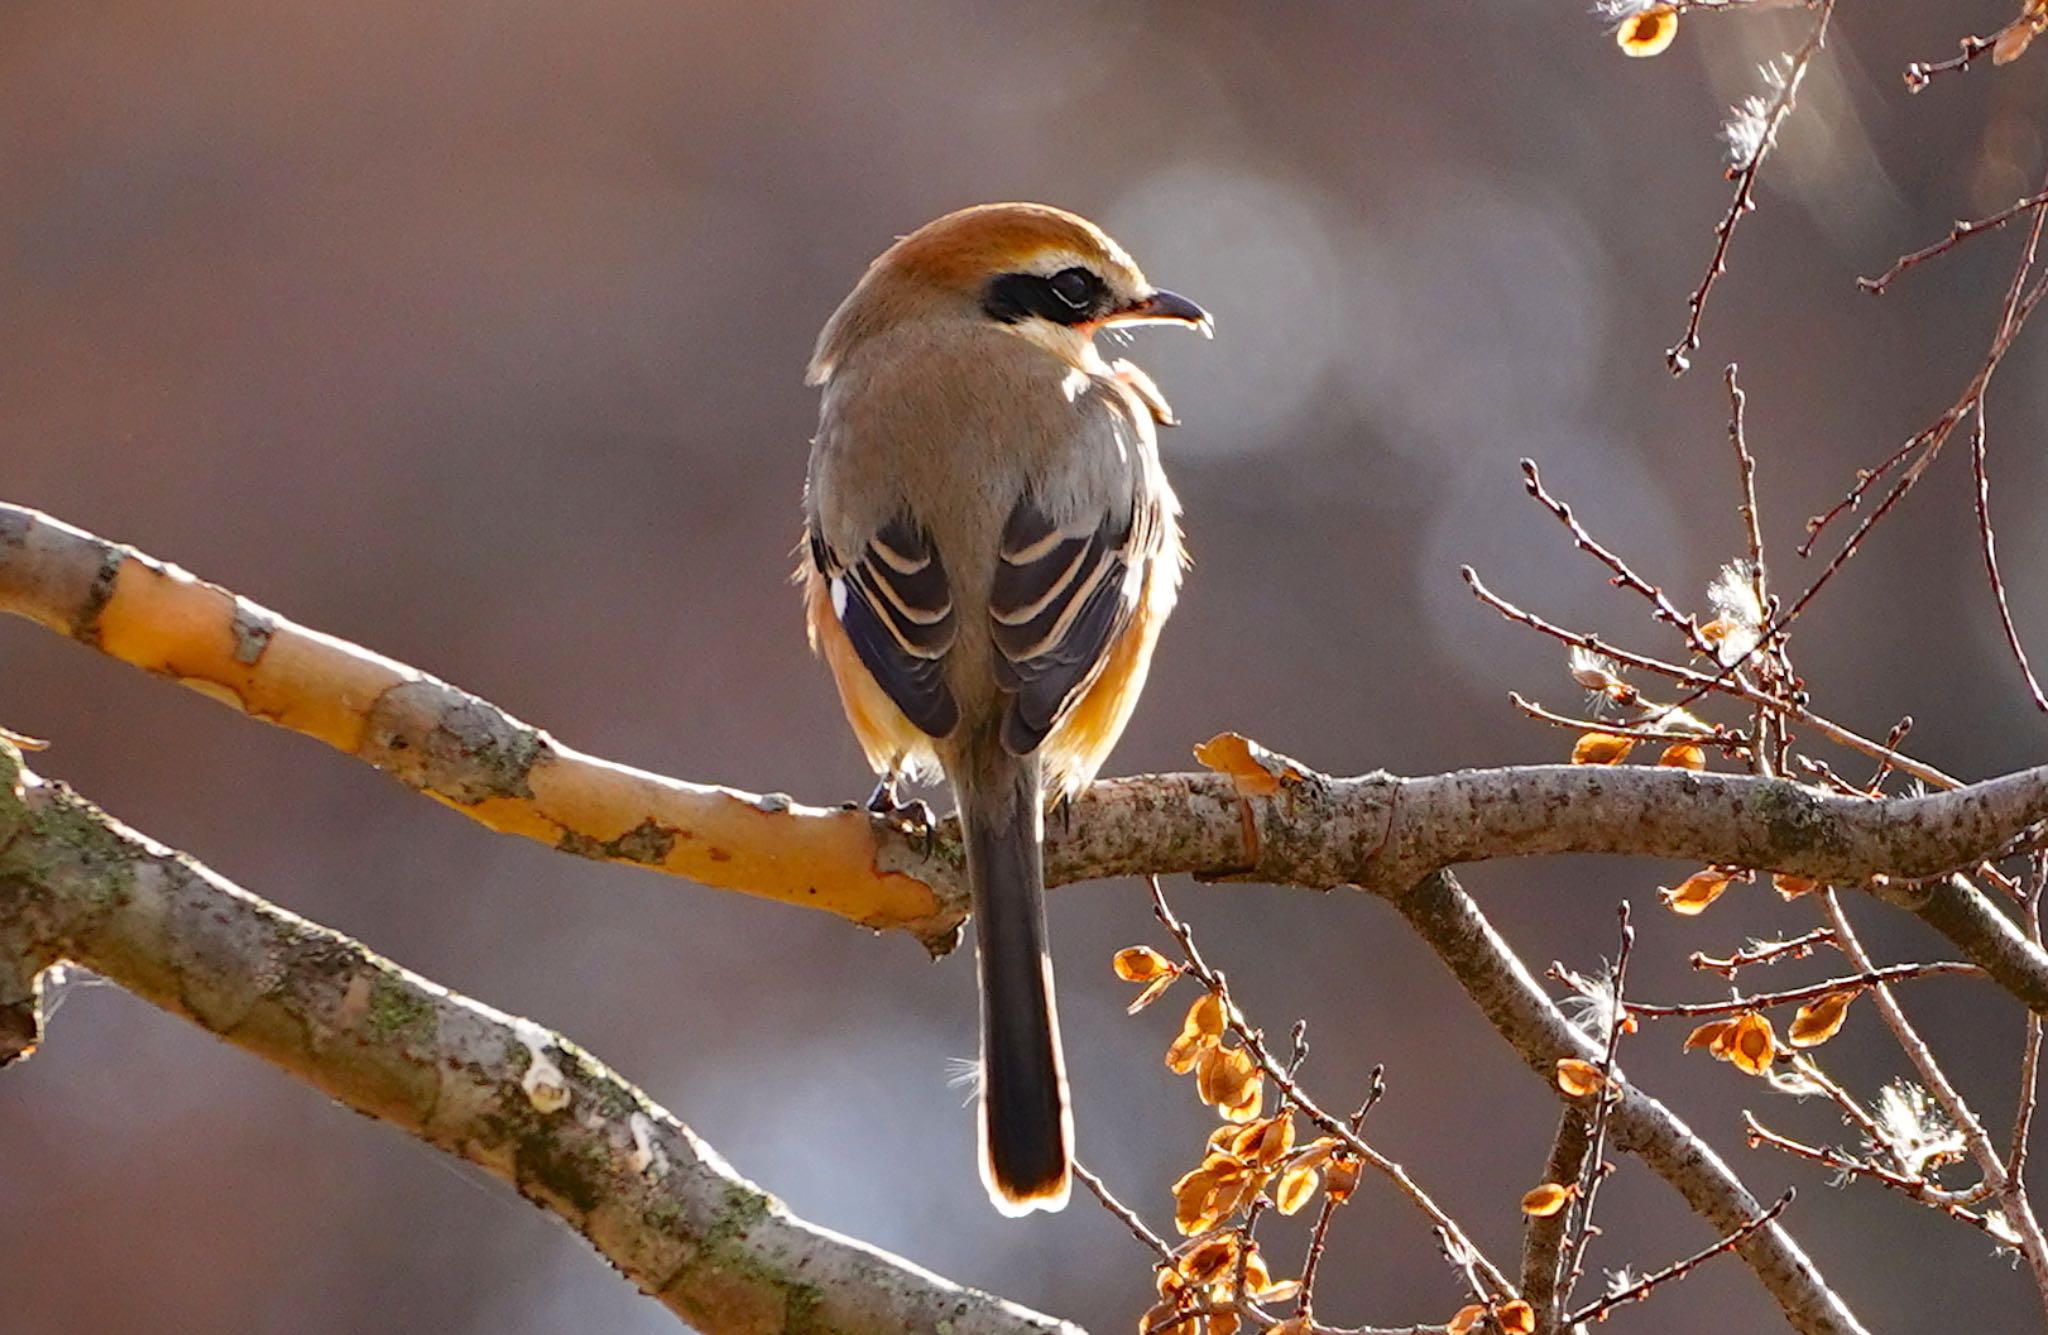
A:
x: 1821, y: 770
x: 1826, y: 727
x: 2023, y: 1119
x: 1624, y: 576
x: 1319, y: 1236
x: 1745, y: 466
x: 1765, y: 952
x: 1961, y: 232
x: 1254, y: 1043
x: 2032, y: 1244
x: 1724, y: 740
x: 1918, y: 1188
x: 1866, y: 478
x: 1124, y: 1213
x: 1987, y: 542
x: 1852, y: 1112
x: 2018, y: 304
x: 1893, y: 740
x: 1723, y: 6
x: 1642, y: 1288
x: 1744, y: 174
x: 2019, y: 1205
x: 1464, y: 1260
x: 1764, y: 722
x: 1921, y: 73
x: 1858, y: 982
x: 2030, y: 1052
x: 1571, y: 1260
x: 1318, y: 1240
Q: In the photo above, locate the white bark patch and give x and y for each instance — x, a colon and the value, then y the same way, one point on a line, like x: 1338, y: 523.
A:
x: 545, y: 1088
x: 648, y: 1158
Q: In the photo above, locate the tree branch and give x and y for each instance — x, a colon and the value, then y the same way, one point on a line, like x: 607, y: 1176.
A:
x: 1377, y: 831
x: 522, y: 1103
x: 1277, y: 822
x: 1543, y: 1235
x: 490, y: 766
x: 1445, y: 917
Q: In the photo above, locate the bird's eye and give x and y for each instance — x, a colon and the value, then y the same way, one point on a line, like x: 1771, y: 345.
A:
x: 1078, y: 287
x: 1072, y: 296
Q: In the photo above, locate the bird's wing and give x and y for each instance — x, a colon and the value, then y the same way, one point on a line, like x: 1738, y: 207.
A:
x: 893, y: 602
x: 1062, y: 595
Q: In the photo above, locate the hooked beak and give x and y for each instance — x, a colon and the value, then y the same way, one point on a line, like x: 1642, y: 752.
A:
x: 1163, y: 307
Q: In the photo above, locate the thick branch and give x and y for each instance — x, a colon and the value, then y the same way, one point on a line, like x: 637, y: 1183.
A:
x: 1959, y: 911
x: 1285, y: 824
x: 519, y: 1101
x: 1383, y: 833
x: 1377, y: 831
x: 495, y: 769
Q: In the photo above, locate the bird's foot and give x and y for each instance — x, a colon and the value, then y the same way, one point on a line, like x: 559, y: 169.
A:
x: 914, y: 818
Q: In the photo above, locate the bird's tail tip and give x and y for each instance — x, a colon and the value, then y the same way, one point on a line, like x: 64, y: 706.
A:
x: 1016, y: 1199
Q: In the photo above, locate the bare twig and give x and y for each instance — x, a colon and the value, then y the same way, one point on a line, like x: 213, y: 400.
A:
x: 1719, y: 737
x: 1961, y: 232
x: 2030, y: 1051
x: 1727, y: 684
x: 1857, y: 982
x: 1319, y: 1235
x: 2023, y: 1118
x: 1342, y: 1131
x: 1745, y: 469
x: 1918, y: 1188
x: 1463, y: 1259
x: 1318, y: 1241
x: 1572, y: 1258
x: 1123, y: 1213
x: 1853, y: 1112
x: 1765, y: 723
x: 1643, y: 1287
x: 1892, y: 741
x: 1987, y: 542
x: 1624, y: 576
x: 1921, y: 72
x: 1744, y: 174
x: 2019, y: 303
x: 1766, y: 952
x: 2018, y: 1211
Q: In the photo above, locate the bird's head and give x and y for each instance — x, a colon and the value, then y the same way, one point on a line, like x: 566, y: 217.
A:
x: 1045, y: 274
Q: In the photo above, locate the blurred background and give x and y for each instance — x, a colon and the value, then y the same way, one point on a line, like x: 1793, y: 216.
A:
x: 474, y: 333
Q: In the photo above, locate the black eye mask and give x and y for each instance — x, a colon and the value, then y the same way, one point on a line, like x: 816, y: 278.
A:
x: 1071, y: 296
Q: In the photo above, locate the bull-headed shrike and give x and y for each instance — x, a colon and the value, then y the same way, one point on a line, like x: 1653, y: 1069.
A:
x: 992, y: 550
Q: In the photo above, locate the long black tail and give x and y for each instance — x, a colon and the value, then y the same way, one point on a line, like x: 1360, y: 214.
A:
x: 1026, y: 1129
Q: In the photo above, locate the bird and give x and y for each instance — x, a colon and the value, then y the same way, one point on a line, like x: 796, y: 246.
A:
x: 990, y: 549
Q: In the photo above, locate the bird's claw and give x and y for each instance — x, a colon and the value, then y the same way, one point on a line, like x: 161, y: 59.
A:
x: 883, y: 801
x: 913, y: 818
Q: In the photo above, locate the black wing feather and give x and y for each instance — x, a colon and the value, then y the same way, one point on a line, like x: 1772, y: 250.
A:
x: 1058, y: 603
x: 897, y: 610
